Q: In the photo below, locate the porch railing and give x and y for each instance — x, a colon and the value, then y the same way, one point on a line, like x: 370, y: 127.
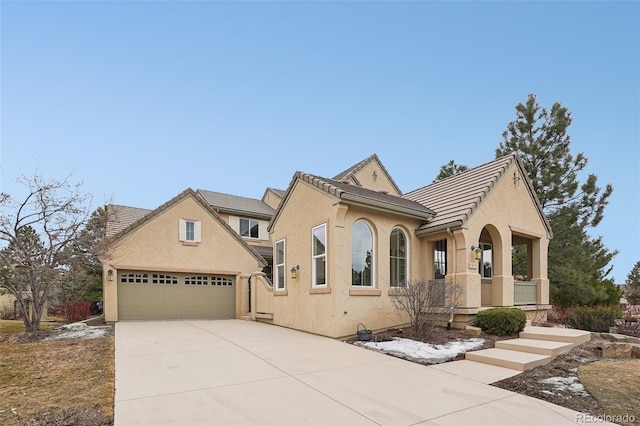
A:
x: 525, y: 293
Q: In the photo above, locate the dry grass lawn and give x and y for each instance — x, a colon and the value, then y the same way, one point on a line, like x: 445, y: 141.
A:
x: 17, y: 326
x: 616, y: 385
x: 58, y: 382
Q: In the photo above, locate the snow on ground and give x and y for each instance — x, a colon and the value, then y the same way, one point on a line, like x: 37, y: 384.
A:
x: 424, y: 352
x: 79, y: 330
x: 567, y: 384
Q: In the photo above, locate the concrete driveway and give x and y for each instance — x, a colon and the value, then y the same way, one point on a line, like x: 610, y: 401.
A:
x: 232, y: 372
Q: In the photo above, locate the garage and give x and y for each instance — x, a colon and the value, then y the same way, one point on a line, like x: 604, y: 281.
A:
x: 152, y: 295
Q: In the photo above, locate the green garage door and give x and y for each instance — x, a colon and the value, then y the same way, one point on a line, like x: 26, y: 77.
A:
x: 166, y: 295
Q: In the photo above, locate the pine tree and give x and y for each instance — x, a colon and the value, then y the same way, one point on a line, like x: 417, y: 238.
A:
x: 632, y: 284
x: 577, y: 263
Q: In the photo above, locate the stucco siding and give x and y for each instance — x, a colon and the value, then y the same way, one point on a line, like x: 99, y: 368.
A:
x: 379, y: 182
x: 155, y: 246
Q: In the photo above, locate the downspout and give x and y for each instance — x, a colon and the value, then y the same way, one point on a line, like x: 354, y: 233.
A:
x: 451, y: 315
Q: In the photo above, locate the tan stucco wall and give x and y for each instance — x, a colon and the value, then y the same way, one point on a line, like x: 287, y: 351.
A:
x: 508, y: 210
x: 271, y: 200
x: 336, y: 310
x: 381, y: 181
x: 155, y: 247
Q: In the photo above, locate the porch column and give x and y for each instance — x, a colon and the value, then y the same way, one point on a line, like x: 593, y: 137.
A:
x: 462, y: 269
x: 502, y: 280
x: 539, y: 249
x: 242, y: 296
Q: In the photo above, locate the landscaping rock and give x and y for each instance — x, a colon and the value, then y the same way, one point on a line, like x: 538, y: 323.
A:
x: 472, y: 331
x: 616, y: 350
x: 614, y: 337
x: 635, y: 350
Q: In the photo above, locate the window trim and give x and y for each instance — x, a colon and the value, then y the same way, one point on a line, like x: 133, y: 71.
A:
x: 314, y: 257
x: 283, y: 264
x: 373, y: 255
x: 406, y: 259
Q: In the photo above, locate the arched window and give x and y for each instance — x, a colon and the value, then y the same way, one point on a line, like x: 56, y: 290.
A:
x: 398, y: 258
x: 362, y: 255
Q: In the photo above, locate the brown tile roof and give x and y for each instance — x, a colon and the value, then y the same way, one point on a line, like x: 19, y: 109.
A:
x: 277, y: 192
x: 130, y: 213
x: 352, y: 194
x: 456, y: 198
x: 234, y: 204
x: 264, y: 251
x: 120, y: 217
x: 349, y: 174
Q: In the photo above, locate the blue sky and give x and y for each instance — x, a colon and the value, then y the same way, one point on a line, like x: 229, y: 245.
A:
x: 140, y: 100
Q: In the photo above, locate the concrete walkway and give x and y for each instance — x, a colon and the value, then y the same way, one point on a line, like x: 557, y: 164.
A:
x: 232, y: 372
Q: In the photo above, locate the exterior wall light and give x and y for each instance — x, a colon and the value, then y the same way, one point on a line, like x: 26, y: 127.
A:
x: 294, y: 272
x: 110, y: 274
x: 477, y: 252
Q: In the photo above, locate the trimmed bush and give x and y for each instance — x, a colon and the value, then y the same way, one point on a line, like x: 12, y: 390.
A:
x: 593, y: 318
x: 501, y: 321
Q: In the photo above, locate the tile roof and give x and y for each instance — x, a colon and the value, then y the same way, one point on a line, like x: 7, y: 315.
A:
x: 264, y: 251
x: 237, y: 205
x: 456, y: 198
x: 277, y: 192
x: 136, y: 218
x: 352, y: 194
x: 349, y: 174
x: 120, y: 217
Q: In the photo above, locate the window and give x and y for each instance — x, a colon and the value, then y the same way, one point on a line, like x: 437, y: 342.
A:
x: 164, y: 279
x: 319, y: 256
x: 361, y: 255
x: 279, y: 264
x: 398, y: 258
x: 190, y: 231
x: 134, y: 278
x: 485, y: 266
x: 440, y: 259
x: 249, y: 228
x: 196, y: 280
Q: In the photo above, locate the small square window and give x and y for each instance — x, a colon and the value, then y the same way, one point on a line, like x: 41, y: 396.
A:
x: 190, y: 231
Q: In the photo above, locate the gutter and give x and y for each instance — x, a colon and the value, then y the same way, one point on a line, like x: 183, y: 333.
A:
x: 382, y: 206
x: 243, y: 213
x: 445, y: 227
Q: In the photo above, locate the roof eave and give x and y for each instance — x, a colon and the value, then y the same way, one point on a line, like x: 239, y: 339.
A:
x: 387, y: 207
x: 445, y: 226
x: 244, y: 213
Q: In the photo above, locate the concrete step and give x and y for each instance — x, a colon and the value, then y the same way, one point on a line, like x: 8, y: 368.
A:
x: 540, y: 347
x: 569, y: 335
x: 509, y: 359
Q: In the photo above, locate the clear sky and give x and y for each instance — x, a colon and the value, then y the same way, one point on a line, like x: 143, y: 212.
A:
x: 140, y: 100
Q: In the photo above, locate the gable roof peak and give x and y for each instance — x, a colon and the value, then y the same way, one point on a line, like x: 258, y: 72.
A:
x: 349, y: 174
x: 457, y: 197
x: 201, y: 200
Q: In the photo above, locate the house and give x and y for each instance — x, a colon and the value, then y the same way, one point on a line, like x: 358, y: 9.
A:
x: 328, y: 254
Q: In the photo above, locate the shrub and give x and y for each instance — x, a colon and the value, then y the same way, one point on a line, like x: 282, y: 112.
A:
x: 74, y: 311
x: 501, y: 321
x: 593, y: 318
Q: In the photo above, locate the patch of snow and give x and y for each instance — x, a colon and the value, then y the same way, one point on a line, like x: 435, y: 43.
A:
x: 567, y: 384
x: 424, y: 352
x: 79, y: 330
